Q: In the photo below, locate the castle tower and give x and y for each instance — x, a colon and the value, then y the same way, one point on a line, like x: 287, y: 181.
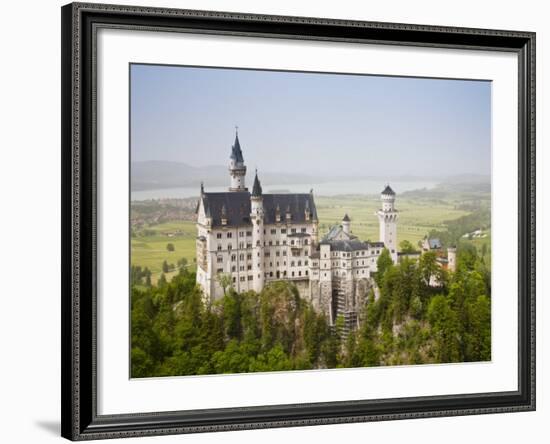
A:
x: 451, y: 258
x: 346, y: 224
x: 237, y: 168
x: 387, y: 216
x: 257, y: 219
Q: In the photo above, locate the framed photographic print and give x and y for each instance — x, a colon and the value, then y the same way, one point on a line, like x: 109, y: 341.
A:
x: 280, y: 221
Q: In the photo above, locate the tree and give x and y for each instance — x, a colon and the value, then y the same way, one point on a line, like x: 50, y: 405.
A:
x: 383, y: 263
x: 165, y: 267
x: 406, y: 247
x: 182, y: 263
x: 444, y: 322
x: 170, y: 247
x: 225, y: 281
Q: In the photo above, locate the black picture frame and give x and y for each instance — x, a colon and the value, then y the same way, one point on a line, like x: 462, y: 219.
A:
x: 79, y: 171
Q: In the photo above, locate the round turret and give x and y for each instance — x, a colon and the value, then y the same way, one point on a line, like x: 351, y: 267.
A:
x: 346, y: 224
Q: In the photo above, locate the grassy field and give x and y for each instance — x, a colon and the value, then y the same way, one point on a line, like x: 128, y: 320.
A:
x: 416, y: 218
x: 151, y: 251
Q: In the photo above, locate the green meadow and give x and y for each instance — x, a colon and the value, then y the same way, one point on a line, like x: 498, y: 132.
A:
x: 151, y: 250
x: 416, y: 218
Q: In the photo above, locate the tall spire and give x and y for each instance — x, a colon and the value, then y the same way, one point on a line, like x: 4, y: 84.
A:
x: 237, y: 168
x: 256, y: 188
x: 236, y: 153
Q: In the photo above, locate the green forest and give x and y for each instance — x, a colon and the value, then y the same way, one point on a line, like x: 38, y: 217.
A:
x: 174, y: 332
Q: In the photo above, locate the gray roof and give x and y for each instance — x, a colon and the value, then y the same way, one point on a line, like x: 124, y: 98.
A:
x: 434, y: 243
x: 346, y: 218
x: 388, y: 190
x: 237, y: 206
x: 351, y: 245
x: 346, y: 245
x: 236, y: 153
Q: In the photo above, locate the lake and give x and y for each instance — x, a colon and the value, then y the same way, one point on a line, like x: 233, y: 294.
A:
x: 320, y: 189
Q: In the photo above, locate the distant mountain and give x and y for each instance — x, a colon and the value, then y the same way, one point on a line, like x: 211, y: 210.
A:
x: 159, y: 174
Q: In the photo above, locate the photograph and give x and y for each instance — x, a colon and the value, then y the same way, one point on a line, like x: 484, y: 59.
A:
x: 302, y: 221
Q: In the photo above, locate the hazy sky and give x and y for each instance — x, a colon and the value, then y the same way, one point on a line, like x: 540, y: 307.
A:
x: 322, y: 123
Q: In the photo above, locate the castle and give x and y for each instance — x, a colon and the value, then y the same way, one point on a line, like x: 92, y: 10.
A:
x: 255, y: 238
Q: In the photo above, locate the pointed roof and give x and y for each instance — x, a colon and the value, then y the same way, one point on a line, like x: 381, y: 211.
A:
x: 346, y: 218
x: 388, y: 191
x: 256, y: 188
x: 236, y: 153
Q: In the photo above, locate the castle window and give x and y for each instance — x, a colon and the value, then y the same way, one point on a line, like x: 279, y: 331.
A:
x: 264, y: 231
x: 219, y: 235
x: 283, y: 230
x: 277, y: 253
x: 249, y: 256
x: 284, y: 242
x: 229, y: 235
x: 299, y: 263
x: 305, y: 263
x: 219, y: 247
x: 292, y: 242
x: 241, y: 233
x: 257, y: 243
x: 303, y: 230
x: 267, y: 254
x: 306, y: 242
x: 241, y: 268
x: 276, y: 242
x: 325, y: 274
x: 362, y: 262
x: 273, y: 231
x: 219, y: 259
x: 241, y: 257
x: 250, y: 278
x: 249, y: 267
x: 277, y: 264
x: 293, y: 230
x: 242, y: 279
x: 219, y: 270
x: 292, y: 274
x: 270, y: 243
x: 249, y: 245
x: 249, y: 233
x: 305, y: 252
x: 270, y: 274
x: 233, y: 257
x: 307, y: 272
x: 234, y: 279
x: 299, y: 273
x: 229, y: 246
x: 271, y: 264
x: 284, y: 252
x: 284, y: 273
x: 233, y: 269
x: 292, y: 264
x: 241, y: 245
